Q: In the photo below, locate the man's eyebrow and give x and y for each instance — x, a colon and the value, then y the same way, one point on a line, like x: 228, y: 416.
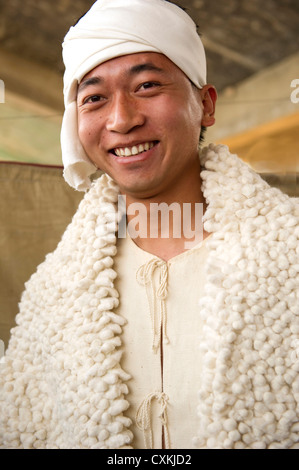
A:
x: 148, y: 66
x: 135, y: 69
x: 88, y: 82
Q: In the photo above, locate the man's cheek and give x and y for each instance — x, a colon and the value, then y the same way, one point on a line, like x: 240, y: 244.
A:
x: 86, y: 135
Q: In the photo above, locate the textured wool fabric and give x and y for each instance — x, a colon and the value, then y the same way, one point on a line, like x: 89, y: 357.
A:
x: 113, y: 28
x: 62, y: 382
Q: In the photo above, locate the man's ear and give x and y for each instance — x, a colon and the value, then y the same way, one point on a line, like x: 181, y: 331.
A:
x: 208, y: 97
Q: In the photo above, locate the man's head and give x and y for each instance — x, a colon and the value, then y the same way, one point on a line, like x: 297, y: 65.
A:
x: 114, y: 29
x: 139, y: 120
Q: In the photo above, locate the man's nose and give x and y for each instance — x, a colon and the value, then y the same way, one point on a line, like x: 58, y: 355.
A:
x: 124, y: 115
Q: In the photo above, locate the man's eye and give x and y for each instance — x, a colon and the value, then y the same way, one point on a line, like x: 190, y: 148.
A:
x: 93, y: 99
x: 148, y: 85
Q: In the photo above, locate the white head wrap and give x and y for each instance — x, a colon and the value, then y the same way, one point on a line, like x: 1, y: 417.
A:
x: 113, y: 28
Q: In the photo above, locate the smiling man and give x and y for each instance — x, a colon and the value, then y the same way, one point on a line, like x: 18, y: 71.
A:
x: 145, y: 100
x: 139, y: 121
x: 136, y: 341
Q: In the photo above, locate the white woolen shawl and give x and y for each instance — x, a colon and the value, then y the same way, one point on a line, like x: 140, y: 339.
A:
x: 62, y: 384
x: 113, y: 28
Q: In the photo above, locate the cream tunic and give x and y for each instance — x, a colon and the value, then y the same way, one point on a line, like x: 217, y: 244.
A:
x: 158, y: 296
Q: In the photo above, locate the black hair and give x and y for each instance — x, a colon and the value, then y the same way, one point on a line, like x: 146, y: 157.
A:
x: 202, y: 134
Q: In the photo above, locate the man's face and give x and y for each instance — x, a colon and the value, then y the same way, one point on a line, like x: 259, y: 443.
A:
x: 139, y: 120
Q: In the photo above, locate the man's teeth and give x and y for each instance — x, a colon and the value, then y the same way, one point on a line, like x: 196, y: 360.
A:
x: 129, y: 151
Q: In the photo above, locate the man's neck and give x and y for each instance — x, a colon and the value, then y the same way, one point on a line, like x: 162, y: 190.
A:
x: 170, y: 223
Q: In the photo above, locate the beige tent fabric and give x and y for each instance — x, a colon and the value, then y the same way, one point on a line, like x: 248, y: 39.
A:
x: 36, y: 205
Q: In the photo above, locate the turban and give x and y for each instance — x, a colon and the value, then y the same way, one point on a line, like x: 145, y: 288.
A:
x: 113, y: 28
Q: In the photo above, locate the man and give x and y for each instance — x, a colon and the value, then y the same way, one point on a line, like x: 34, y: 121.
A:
x: 137, y: 341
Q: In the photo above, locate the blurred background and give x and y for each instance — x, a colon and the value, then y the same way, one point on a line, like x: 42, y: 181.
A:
x: 252, y: 50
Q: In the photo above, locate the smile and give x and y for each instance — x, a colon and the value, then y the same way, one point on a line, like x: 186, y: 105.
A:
x: 134, y: 150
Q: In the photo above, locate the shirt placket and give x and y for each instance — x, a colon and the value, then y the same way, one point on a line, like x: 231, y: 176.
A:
x: 156, y: 294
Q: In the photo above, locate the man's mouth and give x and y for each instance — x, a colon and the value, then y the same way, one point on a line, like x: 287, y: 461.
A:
x: 134, y: 150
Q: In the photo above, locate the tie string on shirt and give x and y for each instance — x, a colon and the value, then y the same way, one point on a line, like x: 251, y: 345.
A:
x: 145, y: 277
